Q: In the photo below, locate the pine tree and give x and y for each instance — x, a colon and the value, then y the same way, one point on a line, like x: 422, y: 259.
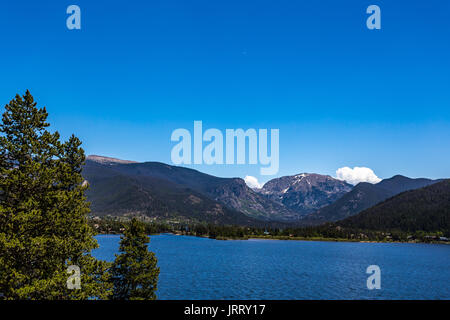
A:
x: 134, y: 272
x: 43, y: 211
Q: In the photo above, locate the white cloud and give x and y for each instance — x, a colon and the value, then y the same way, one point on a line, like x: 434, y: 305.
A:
x: 357, y: 175
x: 252, y: 182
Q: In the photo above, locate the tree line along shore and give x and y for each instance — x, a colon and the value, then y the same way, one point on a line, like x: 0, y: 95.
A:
x: 325, y: 232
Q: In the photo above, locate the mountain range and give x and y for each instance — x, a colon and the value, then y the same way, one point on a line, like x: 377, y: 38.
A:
x: 114, y: 191
x: 160, y: 191
x: 363, y: 196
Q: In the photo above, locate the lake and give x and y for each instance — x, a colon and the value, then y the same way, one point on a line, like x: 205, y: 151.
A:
x: 200, y: 268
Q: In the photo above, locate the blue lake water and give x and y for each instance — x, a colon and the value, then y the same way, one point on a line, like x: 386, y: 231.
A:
x: 199, y: 268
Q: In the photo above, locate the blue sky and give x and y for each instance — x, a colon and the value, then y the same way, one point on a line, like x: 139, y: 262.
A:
x: 341, y: 95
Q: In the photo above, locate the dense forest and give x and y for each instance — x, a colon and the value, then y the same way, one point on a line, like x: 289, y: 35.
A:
x: 326, y: 232
x: 426, y: 209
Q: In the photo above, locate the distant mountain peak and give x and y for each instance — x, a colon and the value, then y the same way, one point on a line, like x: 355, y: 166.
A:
x: 398, y: 177
x: 365, y: 195
x: 305, y: 192
x: 108, y: 160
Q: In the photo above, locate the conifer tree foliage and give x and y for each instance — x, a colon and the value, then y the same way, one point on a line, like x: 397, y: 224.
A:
x: 43, y: 211
x: 135, y: 272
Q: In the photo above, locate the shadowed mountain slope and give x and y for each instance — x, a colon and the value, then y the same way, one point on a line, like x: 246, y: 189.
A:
x: 425, y: 209
x: 363, y: 196
x: 114, y: 193
x: 159, y: 185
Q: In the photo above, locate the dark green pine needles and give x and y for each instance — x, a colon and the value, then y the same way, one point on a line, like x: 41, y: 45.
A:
x: 43, y: 219
x: 134, y: 272
x: 43, y: 211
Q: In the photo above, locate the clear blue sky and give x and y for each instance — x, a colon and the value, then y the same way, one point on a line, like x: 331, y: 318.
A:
x: 341, y: 95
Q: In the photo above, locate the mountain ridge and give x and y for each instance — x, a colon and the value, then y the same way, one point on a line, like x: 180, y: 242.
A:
x: 424, y: 209
x: 365, y: 195
x: 113, y: 193
x: 124, y: 187
x: 231, y: 192
x: 107, y: 160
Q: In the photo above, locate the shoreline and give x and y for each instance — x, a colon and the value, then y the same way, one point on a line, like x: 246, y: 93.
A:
x: 318, y: 239
x: 342, y: 240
